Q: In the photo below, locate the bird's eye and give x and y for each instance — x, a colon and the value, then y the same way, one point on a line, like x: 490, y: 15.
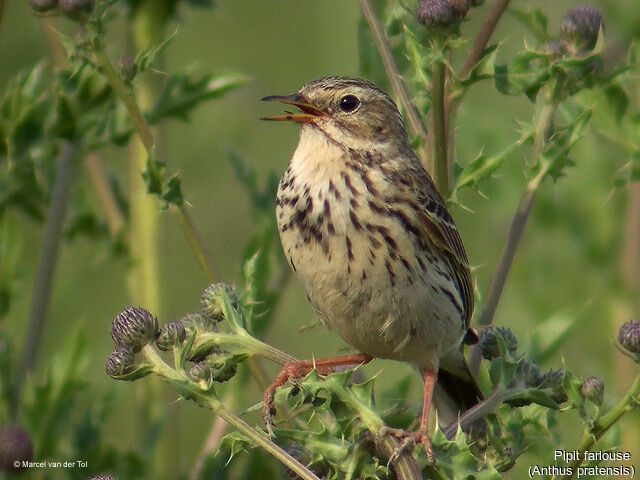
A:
x: 349, y: 103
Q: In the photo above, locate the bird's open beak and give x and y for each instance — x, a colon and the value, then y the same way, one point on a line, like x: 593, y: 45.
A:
x: 308, y: 113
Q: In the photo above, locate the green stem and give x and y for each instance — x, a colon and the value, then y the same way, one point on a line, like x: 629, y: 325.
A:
x: 123, y: 93
x: 242, y: 339
x: 144, y: 132
x: 602, y: 425
x: 197, y: 245
x: 438, y: 117
x: 259, y: 438
x: 43, y: 283
x: 477, y: 412
x: 207, y: 399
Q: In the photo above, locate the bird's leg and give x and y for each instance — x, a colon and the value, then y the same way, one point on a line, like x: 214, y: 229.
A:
x: 421, y: 435
x: 300, y: 368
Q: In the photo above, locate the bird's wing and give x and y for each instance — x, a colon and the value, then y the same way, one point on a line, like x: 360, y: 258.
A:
x: 437, y: 224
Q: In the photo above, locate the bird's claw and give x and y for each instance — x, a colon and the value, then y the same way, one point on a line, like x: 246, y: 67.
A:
x: 408, y: 440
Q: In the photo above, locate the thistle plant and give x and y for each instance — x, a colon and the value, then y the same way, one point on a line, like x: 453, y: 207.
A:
x: 61, y: 120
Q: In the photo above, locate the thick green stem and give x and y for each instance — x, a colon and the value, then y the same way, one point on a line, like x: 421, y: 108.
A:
x: 630, y: 401
x: 247, y: 342
x: 43, y: 283
x: 440, y: 169
x: 190, y: 390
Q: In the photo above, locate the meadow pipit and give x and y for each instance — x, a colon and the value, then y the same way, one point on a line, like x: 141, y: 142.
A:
x: 365, y: 230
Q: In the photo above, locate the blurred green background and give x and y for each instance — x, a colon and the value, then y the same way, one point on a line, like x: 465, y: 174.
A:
x: 568, y: 262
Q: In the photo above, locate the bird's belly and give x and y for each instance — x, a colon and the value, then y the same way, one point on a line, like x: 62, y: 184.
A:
x: 372, y: 301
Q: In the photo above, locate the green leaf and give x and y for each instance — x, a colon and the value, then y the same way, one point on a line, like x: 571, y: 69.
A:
x: 153, y: 176
x: 485, y: 67
x: 618, y: 100
x: 140, y: 371
x: 182, y: 92
x: 501, y: 78
x: 235, y: 443
x: 147, y: 57
x: 482, y: 167
x: 173, y: 191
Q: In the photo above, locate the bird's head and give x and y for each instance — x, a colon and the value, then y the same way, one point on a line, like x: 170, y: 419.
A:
x: 350, y: 111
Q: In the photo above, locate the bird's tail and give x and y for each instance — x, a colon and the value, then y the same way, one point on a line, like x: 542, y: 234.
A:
x: 456, y: 390
x: 462, y: 390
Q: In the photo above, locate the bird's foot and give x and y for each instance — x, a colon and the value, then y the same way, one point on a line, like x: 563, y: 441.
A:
x: 297, y: 369
x: 290, y: 371
x: 408, y: 441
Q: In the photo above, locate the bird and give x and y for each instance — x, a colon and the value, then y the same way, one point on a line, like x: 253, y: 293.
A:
x: 365, y: 230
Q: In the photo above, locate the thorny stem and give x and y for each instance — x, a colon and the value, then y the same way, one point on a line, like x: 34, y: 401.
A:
x: 46, y: 264
x: 208, y: 399
x: 477, y: 412
x: 144, y: 132
x: 439, y: 122
x: 253, y: 345
x: 391, y: 68
x: 198, y: 246
x: 630, y: 401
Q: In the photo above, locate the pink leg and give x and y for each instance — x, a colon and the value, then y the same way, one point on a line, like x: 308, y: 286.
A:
x: 421, y: 435
x: 300, y: 369
x: 430, y: 377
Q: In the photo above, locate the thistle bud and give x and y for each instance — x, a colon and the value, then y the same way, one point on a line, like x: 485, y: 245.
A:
x: 134, y: 327
x: 461, y: 7
x: 629, y: 336
x: 528, y: 372
x: 43, y: 6
x: 300, y: 453
x: 223, y: 367
x: 172, y: 334
x: 593, y: 389
x: 120, y: 362
x: 15, y: 447
x: 77, y: 10
x: 552, y: 379
x: 201, y: 373
x: 211, y: 300
x: 489, y: 342
x: 436, y: 13
x: 581, y: 26
x: 556, y: 48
